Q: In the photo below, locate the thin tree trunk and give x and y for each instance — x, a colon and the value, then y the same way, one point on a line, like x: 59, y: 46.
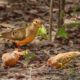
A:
x: 61, y: 9
x: 59, y: 23
x: 51, y: 17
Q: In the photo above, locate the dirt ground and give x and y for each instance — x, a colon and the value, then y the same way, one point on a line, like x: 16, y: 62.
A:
x: 20, y: 13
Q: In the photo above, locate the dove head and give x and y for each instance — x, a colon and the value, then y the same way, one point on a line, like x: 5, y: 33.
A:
x: 49, y: 62
x: 36, y: 22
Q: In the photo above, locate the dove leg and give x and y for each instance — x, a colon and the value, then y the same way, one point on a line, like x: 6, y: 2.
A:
x: 18, y: 46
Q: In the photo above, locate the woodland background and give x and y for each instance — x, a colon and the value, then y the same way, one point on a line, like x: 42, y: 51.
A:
x: 20, y: 13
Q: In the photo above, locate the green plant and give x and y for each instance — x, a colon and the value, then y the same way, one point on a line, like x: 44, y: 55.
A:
x: 62, y: 14
x: 74, y: 25
x: 73, y: 14
x: 42, y: 32
x: 66, y: 0
x: 76, y: 8
x: 29, y: 56
x: 62, y: 33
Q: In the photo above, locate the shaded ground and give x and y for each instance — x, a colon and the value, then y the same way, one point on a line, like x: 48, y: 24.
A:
x: 20, y: 14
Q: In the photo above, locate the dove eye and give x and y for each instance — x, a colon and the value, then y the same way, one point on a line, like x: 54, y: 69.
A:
x: 36, y: 21
x: 14, y: 32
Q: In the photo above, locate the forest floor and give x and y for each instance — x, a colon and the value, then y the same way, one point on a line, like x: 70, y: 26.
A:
x: 20, y: 13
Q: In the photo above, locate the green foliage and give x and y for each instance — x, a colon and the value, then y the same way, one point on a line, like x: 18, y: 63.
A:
x: 62, y: 14
x: 42, y: 32
x: 62, y: 33
x: 72, y: 73
x: 29, y: 55
x: 32, y: 55
x: 26, y: 56
x: 76, y: 8
x: 74, y: 25
x: 73, y: 14
x: 73, y: 70
x: 66, y: 0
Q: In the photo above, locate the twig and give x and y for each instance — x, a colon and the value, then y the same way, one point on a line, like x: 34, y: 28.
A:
x: 61, y: 9
x: 51, y: 16
x: 30, y: 78
x: 59, y: 16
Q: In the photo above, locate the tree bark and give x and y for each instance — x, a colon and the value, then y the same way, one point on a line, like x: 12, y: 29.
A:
x: 51, y: 17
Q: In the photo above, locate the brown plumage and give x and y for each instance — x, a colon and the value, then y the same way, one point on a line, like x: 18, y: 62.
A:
x: 23, y: 35
x: 10, y: 59
x: 62, y: 59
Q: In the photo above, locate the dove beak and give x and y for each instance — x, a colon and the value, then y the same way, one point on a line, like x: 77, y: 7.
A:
x: 39, y: 22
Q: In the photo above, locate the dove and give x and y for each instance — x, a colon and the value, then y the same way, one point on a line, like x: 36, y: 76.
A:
x: 62, y: 59
x: 23, y: 35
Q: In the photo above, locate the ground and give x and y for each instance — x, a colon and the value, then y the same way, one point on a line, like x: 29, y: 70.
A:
x: 20, y: 13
